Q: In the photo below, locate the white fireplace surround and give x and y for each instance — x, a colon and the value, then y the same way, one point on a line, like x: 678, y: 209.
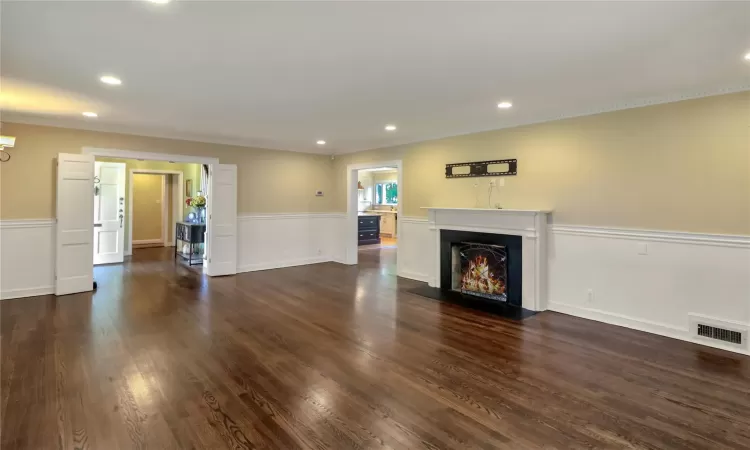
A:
x: 531, y: 225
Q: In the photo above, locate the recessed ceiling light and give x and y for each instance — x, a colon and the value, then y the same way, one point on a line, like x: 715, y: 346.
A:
x: 160, y: 1
x: 504, y: 105
x: 109, y: 79
x: 390, y: 128
x: 90, y: 114
x: 747, y: 56
x: 321, y: 142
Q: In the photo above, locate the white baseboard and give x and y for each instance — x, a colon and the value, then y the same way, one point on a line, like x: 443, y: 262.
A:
x: 620, y: 320
x: 149, y: 242
x: 414, y: 276
x: 640, y: 325
x: 26, y: 292
x: 282, y: 264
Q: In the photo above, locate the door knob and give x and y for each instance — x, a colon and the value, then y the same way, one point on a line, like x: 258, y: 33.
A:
x: 121, y: 216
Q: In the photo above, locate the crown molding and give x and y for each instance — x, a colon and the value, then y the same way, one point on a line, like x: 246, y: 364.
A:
x: 649, y: 101
x: 13, y: 117
x: 101, y: 127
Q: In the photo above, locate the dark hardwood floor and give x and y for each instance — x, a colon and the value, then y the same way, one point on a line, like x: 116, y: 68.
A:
x: 330, y: 356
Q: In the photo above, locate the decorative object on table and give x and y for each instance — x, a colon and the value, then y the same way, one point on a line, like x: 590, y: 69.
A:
x: 198, y: 203
x: 191, y: 217
x: 481, y: 169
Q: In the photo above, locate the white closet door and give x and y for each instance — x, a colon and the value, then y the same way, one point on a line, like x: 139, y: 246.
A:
x: 75, y: 224
x: 222, y: 220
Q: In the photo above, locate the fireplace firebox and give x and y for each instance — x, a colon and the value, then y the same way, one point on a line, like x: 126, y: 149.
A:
x: 482, y: 266
x: 480, y: 269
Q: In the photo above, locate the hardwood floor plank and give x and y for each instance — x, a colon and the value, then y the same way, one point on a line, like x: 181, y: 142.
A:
x: 337, y: 357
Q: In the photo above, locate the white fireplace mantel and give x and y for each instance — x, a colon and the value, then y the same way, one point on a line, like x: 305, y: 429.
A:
x: 531, y: 225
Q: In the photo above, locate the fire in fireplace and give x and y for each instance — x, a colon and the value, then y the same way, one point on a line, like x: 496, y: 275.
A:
x: 480, y: 269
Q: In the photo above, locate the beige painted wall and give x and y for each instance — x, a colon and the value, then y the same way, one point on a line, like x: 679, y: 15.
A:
x: 681, y: 166
x: 385, y: 177
x: 269, y: 181
x: 147, y: 207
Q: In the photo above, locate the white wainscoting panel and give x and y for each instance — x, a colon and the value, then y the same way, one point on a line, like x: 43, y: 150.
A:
x: 415, y: 249
x: 27, y: 258
x: 650, y: 280
x: 681, y: 275
x: 270, y: 241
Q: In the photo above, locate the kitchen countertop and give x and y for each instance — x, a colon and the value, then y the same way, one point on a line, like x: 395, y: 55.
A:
x: 377, y: 211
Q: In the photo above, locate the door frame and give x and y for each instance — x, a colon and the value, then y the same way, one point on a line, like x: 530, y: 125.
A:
x: 164, y: 211
x: 350, y: 235
x: 148, y: 156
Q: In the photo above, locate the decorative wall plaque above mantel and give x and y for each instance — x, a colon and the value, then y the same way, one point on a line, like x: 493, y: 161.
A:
x: 500, y: 167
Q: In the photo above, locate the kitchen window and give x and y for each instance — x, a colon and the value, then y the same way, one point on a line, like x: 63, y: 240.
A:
x: 386, y: 194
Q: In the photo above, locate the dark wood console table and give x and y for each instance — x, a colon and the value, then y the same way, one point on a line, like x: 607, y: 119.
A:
x: 192, y: 234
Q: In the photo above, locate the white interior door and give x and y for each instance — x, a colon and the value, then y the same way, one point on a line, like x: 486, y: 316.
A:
x: 74, y: 265
x: 222, y: 220
x: 109, y: 213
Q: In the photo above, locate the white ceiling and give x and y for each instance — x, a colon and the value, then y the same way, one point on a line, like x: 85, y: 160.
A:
x: 285, y: 74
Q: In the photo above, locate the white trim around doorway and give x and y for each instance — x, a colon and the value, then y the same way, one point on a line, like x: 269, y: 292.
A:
x: 147, y: 156
x: 350, y: 235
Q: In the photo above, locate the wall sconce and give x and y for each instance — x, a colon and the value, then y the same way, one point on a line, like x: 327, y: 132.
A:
x: 9, y: 142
